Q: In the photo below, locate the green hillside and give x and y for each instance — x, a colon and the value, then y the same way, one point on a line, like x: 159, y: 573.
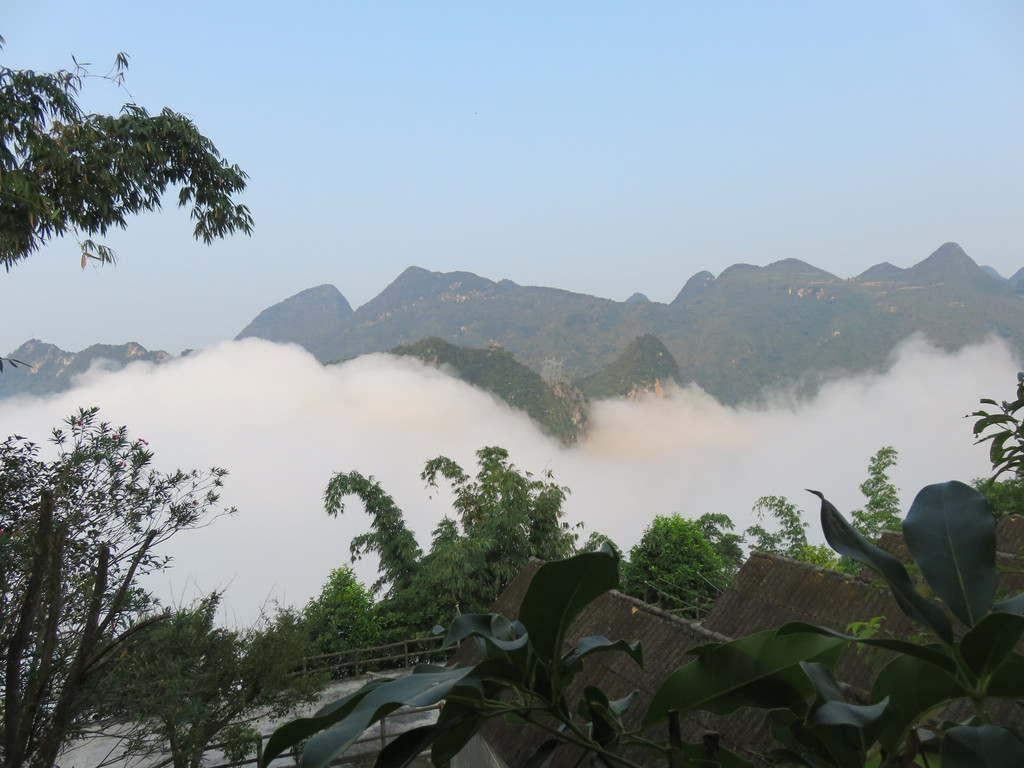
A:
x: 737, y: 335
x: 645, y: 366
x: 749, y: 329
x: 49, y: 369
x: 556, y: 405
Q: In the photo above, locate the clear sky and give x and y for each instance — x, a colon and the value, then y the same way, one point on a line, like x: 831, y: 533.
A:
x: 605, y: 148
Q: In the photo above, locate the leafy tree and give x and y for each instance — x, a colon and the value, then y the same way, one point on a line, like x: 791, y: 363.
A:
x: 342, y: 615
x: 528, y: 676
x: 504, y: 516
x: 79, y: 530
x: 68, y: 171
x: 882, y: 510
x: 717, y: 528
x: 1004, y: 496
x: 389, y: 538
x: 675, y: 566
x: 790, y: 537
x: 1003, y: 429
x: 596, y: 540
x: 185, y: 683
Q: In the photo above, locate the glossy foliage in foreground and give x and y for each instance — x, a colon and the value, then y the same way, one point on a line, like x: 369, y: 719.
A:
x: 527, y: 670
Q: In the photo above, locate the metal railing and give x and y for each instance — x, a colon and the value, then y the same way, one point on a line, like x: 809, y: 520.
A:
x: 364, y: 750
x: 356, y: 661
x: 416, y: 650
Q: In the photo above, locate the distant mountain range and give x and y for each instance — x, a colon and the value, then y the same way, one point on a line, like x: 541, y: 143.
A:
x: 734, y: 335
x: 750, y: 328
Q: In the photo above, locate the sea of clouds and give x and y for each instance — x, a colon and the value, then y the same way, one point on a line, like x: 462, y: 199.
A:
x: 282, y: 424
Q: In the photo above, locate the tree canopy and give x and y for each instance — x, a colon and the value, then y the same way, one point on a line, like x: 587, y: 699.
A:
x: 1000, y: 425
x: 504, y: 516
x: 185, y: 683
x: 675, y: 566
x: 64, y: 170
x: 342, y: 615
x: 78, y: 531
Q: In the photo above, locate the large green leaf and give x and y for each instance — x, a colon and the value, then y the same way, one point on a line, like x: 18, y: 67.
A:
x: 985, y: 647
x: 571, y: 663
x: 490, y: 626
x: 407, y: 746
x: 758, y: 670
x: 300, y: 729
x: 459, y: 723
x: 981, y: 746
x: 834, y: 726
x: 337, y: 727
x: 1007, y: 679
x: 1014, y: 604
x: 846, y: 541
x: 558, y: 592
x: 914, y: 688
x: 936, y: 654
x: 952, y: 536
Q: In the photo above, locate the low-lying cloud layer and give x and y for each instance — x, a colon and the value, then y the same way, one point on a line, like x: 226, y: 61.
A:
x: 282, y: 425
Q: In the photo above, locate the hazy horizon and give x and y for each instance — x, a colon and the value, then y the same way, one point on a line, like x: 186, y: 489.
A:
x: 282, y: 424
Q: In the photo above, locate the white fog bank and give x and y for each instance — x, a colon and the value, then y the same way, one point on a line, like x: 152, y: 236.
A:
x: 282, y: 424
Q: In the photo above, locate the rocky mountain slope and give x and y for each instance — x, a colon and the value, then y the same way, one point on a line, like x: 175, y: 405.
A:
x: 48, y: 369
x: 734, y: 335
x: 747, y: 330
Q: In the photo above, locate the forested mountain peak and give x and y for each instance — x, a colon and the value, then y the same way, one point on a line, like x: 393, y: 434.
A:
x: 416, y: 284
x: 48, y: 368
x: 644, y: 367
x: 302, y: 317
x: 750, y: 328
x: 694, y: 287
x: 880, y: 273
x: 948, y: 263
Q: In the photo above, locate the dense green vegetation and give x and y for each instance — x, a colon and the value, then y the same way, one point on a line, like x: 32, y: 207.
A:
x: 555, y: 405
x: 79, y: 637
x: 186, y: 683
x: 342, y: 616
x: 68, y: 172
x: 503, y: 516
x: 529, y: 666
x: 528, y: 669
x: 675, y: 567
x: 645, y: 366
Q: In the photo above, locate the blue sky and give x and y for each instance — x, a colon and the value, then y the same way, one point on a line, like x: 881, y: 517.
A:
x: 605, y: 148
